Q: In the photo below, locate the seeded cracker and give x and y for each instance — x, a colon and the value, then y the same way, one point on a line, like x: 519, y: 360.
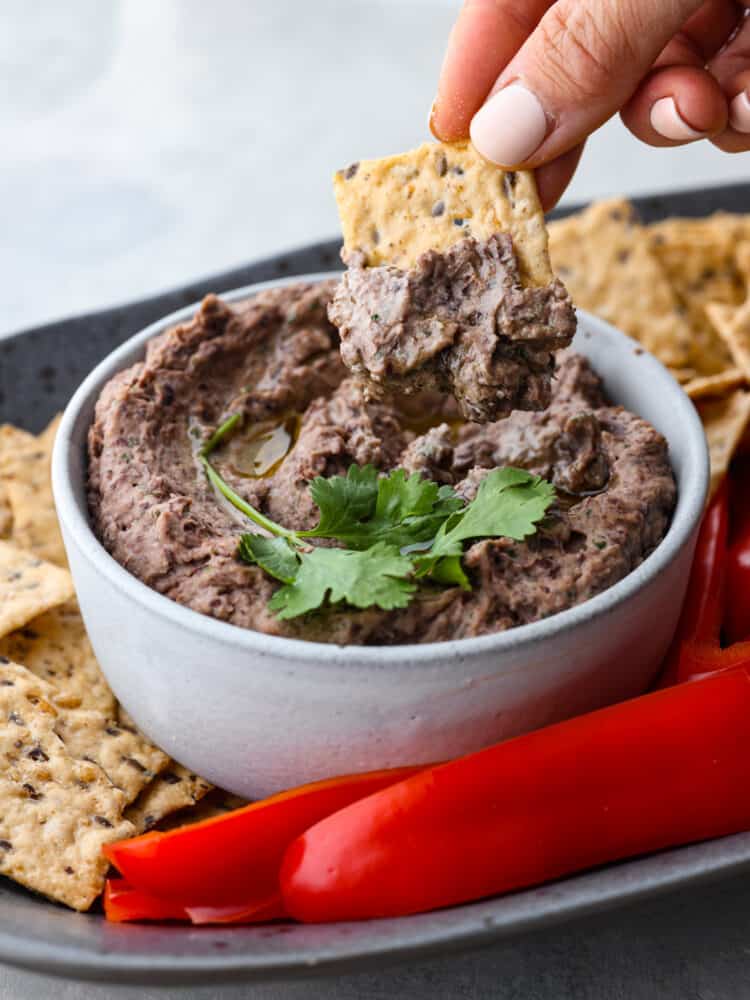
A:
x: 174, y: 789
x: 127, y: 758
x: 6, y: 515
x: 57, y: 812
x: 725, y: 422
x: 25, y: 478
x: 28, y: 587
x: 604, y: 258
x: 733, y: 326
x: 56, y: 647
x: 396, y: 208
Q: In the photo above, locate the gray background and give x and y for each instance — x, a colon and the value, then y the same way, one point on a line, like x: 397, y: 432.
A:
x: 148, y: 142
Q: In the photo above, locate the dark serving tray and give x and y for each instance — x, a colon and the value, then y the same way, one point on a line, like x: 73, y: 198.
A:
x: 39, y: 369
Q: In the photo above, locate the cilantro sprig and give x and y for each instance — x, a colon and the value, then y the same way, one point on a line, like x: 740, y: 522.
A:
x: 393, y: 531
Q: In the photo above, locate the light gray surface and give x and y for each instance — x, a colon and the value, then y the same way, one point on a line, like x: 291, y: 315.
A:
x: 146, y: 142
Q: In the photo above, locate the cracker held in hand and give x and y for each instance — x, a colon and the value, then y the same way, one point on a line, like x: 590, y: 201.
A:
x: 57, y: 811
x: 449, y: 284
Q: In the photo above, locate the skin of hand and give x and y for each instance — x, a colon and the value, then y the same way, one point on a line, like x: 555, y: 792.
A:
x: 529, y: 80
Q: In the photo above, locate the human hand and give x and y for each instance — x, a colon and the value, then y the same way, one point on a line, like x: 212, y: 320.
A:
x: 555, y: 70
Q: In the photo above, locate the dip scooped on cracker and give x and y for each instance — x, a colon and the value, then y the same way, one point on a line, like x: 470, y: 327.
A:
x: 449, y: 284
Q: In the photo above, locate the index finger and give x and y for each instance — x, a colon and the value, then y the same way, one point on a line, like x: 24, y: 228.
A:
x: 486, y: 36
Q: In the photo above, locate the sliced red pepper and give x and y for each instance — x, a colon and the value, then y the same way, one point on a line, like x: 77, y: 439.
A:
x: 232, y: 861
x: 737, y: 616
x: 124, y: 903
x: 667, y: 768
x: 702, y: 613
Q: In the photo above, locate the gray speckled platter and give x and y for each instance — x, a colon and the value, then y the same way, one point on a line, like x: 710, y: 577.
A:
x: 39, y: 369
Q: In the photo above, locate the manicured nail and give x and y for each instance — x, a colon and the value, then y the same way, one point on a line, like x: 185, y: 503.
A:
x: 739, y: 112
x: 510, y: 126
x: 667, y: 121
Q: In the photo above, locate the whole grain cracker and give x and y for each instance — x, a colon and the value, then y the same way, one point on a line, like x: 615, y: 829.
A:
x: 725, y: 422
x: 715, y: 385
x: 604, y: 258
x: 25, y: 475
x: 56, y: 647
x: 57, y: 812
x: 6, y: 515
x: 396, y: 208
x: 733, y: 326
x: 28, y: 587
x: 217, y: 802
x: 171, y: 791
x: 128, y: 759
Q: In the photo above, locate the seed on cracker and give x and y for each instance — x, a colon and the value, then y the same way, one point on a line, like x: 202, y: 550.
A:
x: 397, y: 208
x: 57, y: 811
x: 28, y: 587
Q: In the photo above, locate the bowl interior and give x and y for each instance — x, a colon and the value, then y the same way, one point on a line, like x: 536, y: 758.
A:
x: 632, y: 377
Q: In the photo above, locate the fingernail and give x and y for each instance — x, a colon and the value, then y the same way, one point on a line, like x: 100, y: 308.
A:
x: 510, y: 126
x: 739, y: 112
x: 667, y: 121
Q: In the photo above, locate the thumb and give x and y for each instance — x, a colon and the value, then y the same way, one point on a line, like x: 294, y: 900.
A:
x: 581, y: 63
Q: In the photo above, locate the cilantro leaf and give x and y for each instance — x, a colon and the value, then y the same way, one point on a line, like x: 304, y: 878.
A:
x: 274, y: 555
x: 377, y: 576
x: 510, y: 502
x: 344, y: 500
x: 362, y: 509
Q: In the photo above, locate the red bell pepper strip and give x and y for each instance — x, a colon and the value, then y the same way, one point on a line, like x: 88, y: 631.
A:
x: 737, y: 615
x: 703, y: 609
x: 737, y: 611
x: 124, y: 903
x: 667, y: 768
x: 232, y: 861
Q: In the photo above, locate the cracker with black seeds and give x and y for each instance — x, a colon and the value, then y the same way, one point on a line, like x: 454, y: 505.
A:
x: 175, y: 789
x: 396, y: 208
x: 28, y: 587
x: 27, y: 486
x: 217, y: 802
x: 56, y: 812
x: 603, y: 256
x: 725, y: 422
x: 128, y: 759
x: 56, y: 647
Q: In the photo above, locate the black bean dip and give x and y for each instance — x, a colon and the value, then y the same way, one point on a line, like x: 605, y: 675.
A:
x: 460, y: 322
x: 276, y: 359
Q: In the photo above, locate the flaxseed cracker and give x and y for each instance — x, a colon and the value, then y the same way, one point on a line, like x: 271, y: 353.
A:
x: 171, y: 791
x: 26, y: 481
x: 732, y: 323
x: 128, y: 759
x: 6, y: 515
x: 56, y: 811
x: 56, y: 647
x: 705, y: 386
x: 396, y: 208
x: 28, y: 587
x: 217, y: 802
x: 725, y: 421
x: 604, y: 258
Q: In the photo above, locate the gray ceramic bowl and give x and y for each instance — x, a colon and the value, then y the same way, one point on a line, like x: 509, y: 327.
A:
x: 257, y: 713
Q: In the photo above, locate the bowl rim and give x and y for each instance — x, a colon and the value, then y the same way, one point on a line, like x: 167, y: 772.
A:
x: 692, y: 491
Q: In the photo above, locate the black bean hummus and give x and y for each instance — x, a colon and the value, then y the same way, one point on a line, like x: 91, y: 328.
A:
x: 276, y: 359
x: 460, y: 322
